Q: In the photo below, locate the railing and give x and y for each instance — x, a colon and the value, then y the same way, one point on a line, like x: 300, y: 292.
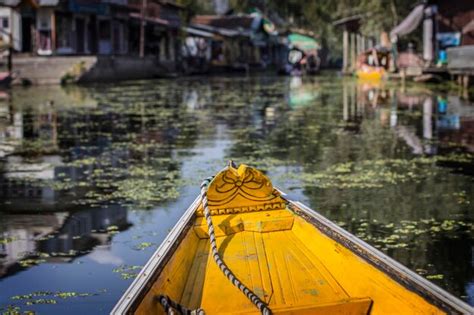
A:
x: 461, y: 60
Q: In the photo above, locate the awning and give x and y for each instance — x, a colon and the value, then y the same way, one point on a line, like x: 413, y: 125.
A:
x: 303, y: 42
x: 410, y: 23
x: 221, y: 31
x: 154, y: 20
x: 48, y: 3
x: 196, y: 32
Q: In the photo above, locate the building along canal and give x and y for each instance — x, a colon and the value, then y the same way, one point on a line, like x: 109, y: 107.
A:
x: 93, y: 178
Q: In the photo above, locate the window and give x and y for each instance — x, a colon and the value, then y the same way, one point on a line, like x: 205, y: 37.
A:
x: 104, y: 29
x: 4, y: 22
x: 64, y: 31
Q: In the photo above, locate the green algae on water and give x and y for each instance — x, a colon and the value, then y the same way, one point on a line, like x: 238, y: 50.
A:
x: 127, y: 272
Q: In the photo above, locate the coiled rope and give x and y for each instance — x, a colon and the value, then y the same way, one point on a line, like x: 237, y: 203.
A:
x: 217, y: 258
x: 170, y: 306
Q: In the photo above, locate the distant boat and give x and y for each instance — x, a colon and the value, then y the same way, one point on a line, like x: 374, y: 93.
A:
x: 288, y: 259
x: 302, y: 56
x: 373, y: 64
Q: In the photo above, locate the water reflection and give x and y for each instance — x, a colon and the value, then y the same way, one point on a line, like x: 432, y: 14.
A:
x: 58, y: 237
x: 443, y: 117
x: 103, y: 172
x: 374, y: 161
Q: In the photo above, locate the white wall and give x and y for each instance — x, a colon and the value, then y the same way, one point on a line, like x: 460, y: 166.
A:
x: 14, y: 23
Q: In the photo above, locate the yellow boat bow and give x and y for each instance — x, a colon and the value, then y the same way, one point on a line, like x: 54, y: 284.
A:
x: 292, y: 258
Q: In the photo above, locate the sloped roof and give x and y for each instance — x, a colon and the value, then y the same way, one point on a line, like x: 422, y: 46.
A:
x: 41, y: 3
x: 303, y: 42
x: 219, y: 30
x: 232, y: 22
x: 9, y: 3
x: 410, y: 23
x: 48, y: 3
x: 197, y: 32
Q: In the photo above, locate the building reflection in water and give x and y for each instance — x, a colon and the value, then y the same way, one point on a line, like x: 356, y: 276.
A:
x: 59, y: 236
x: 29, y: 150
x: 449, y: 120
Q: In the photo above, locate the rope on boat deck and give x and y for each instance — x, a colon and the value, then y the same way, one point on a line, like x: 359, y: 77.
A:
x: 217, y: 258
x: 171, y: 306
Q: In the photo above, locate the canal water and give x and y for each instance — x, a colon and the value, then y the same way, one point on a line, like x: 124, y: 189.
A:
x: 93, y: 178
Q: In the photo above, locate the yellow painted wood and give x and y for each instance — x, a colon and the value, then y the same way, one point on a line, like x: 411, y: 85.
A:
x: 173, y: 278
x: 239, y: 190
x: 371, y: 74
x: 294, y: 270
x: 358, y: 277
x: 284, y: 259
x: 266, y: 221
x: 192, y: 293
x: 276, y: 265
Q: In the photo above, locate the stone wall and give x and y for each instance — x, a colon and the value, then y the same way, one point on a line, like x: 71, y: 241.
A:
x: 87, y: 69
x: 126, y: 68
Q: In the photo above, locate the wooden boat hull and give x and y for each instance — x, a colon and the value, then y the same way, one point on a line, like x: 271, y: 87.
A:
x: 371, y: 74
x: 294, y: 259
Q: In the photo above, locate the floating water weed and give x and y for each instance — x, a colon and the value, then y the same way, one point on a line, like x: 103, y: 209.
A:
x: 127, y: 272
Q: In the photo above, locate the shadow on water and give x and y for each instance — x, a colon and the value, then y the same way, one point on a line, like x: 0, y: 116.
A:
x: 92, y: 178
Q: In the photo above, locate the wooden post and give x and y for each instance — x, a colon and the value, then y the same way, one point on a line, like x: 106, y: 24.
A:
x: 345, y: 51
x: 353, y: 101
x: 428, y: 35
x: 357, y: 44
x: 162, y: 47
x: 53, y: 33
x: 142, y: 29
x: 10, y: 46
x: 353, y: 52
x: 465, y: 81
x: 171, y: 44
x: 10, y: 50
x: 345, y: 102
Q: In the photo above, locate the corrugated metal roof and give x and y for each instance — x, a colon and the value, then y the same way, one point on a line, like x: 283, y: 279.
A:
x: 222, y: 31
x: 196, y: 32
x: 41, y: 3
x: 9, y: 3
x: 48, y: 3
